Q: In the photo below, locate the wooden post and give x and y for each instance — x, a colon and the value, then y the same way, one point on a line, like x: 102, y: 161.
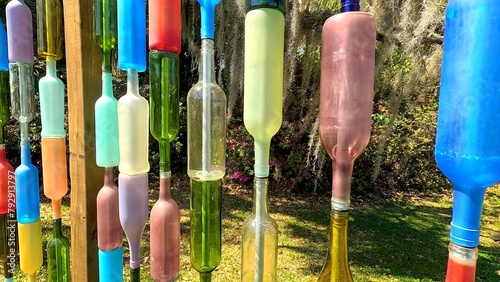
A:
x: 83, y: 63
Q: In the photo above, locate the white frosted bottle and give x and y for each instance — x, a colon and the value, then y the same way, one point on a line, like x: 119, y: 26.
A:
x: 133, y: 126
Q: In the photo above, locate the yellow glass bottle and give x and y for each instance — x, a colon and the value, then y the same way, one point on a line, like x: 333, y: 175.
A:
x: 30, y: 248
x: 336, y: 268
x: 50, y: 28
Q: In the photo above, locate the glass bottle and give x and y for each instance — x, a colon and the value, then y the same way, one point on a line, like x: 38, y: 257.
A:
x: 461, y: 264
x: 105, y: 30
x: 19, y: 32
x: 50, y: 28
x: 4, y: 101
x: 467, y: 141
x: 165, y: 234
x: 27, y: 193
x: 109, y: 230
x: 132, y: 34
x: 106, y: 122
x: 164, y: 101
x: 346, y: 95
x: 58, y: 255
x: 165, y: 31
x: 259, y: 255
x: 30, y: 248
x: 263, y: 101
x: 206, y: 226
x: 206, y: 114
x: 4, y: 247
x: 51, y: 90
x: 7, y: 184
x: 134, y: 211
x: 336, y: 268
x: 22, y: 95
x: 133, y: 124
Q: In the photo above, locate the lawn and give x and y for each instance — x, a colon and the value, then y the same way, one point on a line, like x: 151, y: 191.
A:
x: 404, y: 239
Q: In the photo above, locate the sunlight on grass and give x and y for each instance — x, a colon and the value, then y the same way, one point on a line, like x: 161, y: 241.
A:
x: 399, y: 240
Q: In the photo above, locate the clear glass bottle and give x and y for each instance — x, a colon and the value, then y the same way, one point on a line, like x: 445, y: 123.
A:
x: 336, y: 268
x: 58, y: 255
x: 22, y: 94
x: 461, y: 264
x: 206, y: 114
x: 259, y: 255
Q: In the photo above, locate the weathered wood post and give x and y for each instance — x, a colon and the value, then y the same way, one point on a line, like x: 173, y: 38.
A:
x: 83, y: 62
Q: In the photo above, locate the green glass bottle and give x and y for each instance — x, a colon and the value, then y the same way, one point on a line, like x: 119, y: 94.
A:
x: 206, y: 226
x: 164, y: 101
x: 58, y: 255
x: 336, y: 268
x: 105, y: 32
x: 4, y: 101
x: 4, y: 247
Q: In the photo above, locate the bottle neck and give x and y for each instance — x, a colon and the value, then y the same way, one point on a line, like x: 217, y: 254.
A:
x: 132, y: 82
x: 106, y: 60
x: 164, y: 156
x: 25, y: 152
x: 341, y: 184
x: 107, y: 84
x: 109, y: 177
x: 350, y: 6
x: 207, y: 62
x: 338, y: 246
x: 260, y: 199
x: 57, y: 228
x: 3, y: 157
x: 50, y: 65
x: 205, y: 276
x: 165, y: 186
x: 461, y: 263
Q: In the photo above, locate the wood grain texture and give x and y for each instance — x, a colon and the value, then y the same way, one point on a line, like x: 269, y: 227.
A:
x: 83, y: 60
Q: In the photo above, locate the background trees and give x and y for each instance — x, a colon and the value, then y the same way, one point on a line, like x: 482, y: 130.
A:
x: 400, y: 154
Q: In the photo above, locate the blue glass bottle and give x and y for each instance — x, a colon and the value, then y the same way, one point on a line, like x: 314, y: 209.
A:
x: 27, y: 191
x: 132, y: 35
x: 468, y: 136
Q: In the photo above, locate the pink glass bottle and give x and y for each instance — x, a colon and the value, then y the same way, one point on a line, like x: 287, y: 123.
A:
x: 110, y: 233
x: 347, y: 79
x: 165, y: 217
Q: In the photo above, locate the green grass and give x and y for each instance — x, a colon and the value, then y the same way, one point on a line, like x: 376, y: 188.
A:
x: 404, y: 239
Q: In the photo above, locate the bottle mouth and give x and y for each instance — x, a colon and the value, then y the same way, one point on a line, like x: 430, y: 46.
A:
x: 350, y: 6
x: 463, y: 254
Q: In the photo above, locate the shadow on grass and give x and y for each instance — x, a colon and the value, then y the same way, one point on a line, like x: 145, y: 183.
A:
x: 392, y: 239
x: 395, y: 239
